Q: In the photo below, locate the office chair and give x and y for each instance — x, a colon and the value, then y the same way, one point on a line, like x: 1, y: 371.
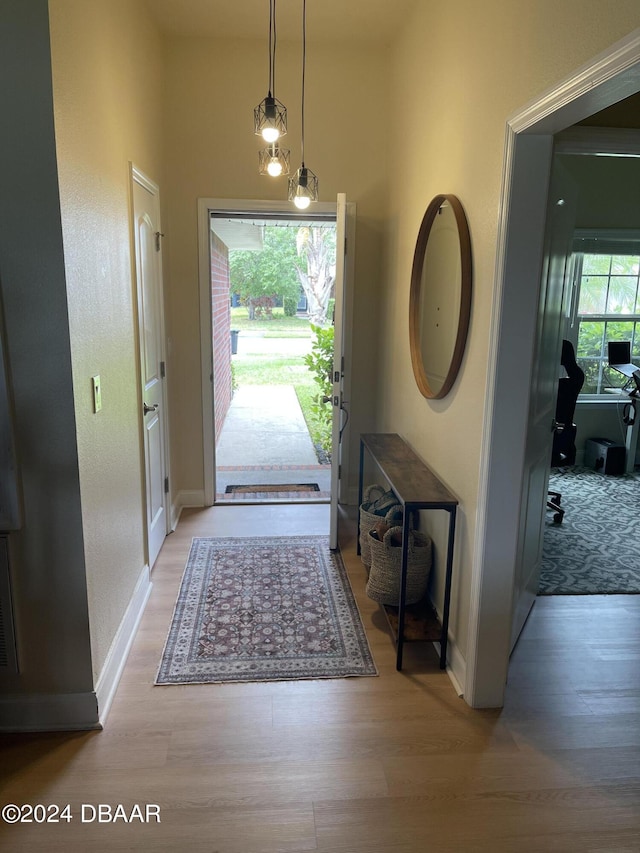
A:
x: 564, y: 437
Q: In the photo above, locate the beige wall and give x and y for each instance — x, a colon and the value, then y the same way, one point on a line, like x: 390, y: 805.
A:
x: 212, y: 88
x: 107, y: 73
x: 459, y: 71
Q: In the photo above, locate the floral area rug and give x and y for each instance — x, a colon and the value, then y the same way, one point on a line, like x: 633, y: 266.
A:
x: 596, y: 548
x: 264, y: 609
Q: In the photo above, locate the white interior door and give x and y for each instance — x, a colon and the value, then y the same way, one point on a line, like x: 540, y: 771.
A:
x: 147, y: 233
x: 338, y: 365
x: 544, y: 387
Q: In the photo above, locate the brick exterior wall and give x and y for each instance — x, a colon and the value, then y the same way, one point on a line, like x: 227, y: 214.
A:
x: 221, y: 326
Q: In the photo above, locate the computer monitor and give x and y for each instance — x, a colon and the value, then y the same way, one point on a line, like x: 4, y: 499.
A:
x: 619, y: 352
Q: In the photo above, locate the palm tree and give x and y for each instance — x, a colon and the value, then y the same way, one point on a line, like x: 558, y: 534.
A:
x: 317, y: 244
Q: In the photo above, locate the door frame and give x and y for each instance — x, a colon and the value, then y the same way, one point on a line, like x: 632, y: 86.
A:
x: 255, y: 207
x: 136, y: 175
x: 607, y: 79
x: 338, y: 427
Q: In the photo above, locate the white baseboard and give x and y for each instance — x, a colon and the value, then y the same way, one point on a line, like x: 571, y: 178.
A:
x: 119, y: 651
x: 175, y: 515
x: 456, y: 664
x: 192, y: 497
x: 49, y: 712
x: 456, y: 667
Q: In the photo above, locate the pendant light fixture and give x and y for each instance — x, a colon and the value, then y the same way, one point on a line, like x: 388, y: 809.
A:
x: 303, y: 186
x: 270, y: 116
x: 274, y: 161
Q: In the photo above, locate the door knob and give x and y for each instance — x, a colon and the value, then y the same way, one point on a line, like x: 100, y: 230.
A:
x: 148, y: 409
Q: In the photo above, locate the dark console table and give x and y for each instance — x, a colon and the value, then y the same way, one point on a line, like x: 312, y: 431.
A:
x: 416, y: 487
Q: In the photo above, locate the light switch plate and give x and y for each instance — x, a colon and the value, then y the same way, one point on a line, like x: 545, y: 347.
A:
x: 97, y: 393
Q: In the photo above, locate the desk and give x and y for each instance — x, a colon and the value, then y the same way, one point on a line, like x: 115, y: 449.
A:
x: 416, y: 488
x: 631, y: 439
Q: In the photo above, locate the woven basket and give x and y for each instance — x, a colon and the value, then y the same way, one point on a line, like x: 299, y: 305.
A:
x: 383, y: 585
x: 368, y: 519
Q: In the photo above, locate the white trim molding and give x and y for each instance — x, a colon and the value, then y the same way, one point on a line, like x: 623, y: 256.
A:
x: 608, y: 78
x: 456, y: 668
x: 186, y: 498
x: 121, y: 646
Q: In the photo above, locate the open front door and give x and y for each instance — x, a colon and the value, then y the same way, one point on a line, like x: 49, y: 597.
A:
x: 561, y: 210
x: 338, y: 365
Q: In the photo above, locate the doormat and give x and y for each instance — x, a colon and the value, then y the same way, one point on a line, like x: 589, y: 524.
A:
x: 272, y: 487
x: 264, y: 609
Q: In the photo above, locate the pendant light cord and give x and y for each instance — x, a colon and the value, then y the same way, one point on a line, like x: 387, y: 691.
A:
x: 304, y: 65
x: 271, y: 47
x: 273, y: 55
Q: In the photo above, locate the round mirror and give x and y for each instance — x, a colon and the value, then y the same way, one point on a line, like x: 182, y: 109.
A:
x: 440, y: 299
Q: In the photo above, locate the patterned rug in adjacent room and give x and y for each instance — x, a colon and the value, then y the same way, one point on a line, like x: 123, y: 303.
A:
x: 264, y: 609
x: 596, y: 548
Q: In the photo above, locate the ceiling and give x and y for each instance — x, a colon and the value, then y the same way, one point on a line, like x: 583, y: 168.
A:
x: 625, y: 113
x: 245, y: 231
x: 239, y: 235
x: 337, y: 20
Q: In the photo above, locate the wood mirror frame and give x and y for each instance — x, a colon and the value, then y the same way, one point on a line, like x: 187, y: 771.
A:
x: 463, y: 311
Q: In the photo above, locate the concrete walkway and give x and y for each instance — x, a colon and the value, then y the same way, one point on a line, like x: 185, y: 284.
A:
x: 265, y: 440
x: 265, y: 426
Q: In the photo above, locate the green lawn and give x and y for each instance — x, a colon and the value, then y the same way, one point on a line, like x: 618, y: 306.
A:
x: 277, y: 326
x: 283, y: 370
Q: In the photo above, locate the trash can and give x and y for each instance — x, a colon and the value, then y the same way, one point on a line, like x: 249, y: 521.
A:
x: 234, y: 341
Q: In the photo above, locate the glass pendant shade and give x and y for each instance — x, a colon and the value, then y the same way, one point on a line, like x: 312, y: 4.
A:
x: 303, y: 188
x: 270, y: 119
x: 274, y: 161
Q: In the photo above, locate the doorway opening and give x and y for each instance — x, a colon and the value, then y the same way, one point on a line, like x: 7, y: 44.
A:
x: 272, y: 280
x: 343, y: 213
x: 603, y: 306
x: 611, y: 78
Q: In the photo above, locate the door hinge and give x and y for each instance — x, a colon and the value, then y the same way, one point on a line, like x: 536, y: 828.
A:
x: 159, y: 234
x: 166, y: 485
x: 345, y: 245
x: 339, y: 472
x: 163, y: 371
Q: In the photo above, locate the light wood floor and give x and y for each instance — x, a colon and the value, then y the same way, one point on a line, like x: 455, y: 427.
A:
x: 394, y: 764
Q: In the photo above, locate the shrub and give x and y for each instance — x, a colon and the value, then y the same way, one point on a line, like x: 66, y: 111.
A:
x: 320, y: 363
x: 290, y: 304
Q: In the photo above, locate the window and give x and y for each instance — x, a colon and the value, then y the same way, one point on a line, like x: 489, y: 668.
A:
x: 606, y: 308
